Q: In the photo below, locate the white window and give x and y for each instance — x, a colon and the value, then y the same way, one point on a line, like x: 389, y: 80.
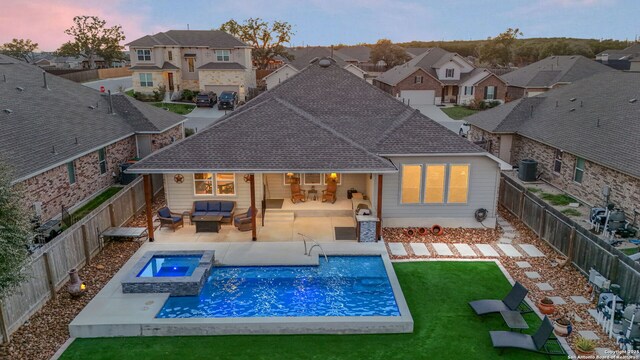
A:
x: 468, y: 90
x: 458, y: 184
x: 578, y: 172
x: 146, y: 79
x: 418, y: 80
x: 225, y: 184
x: 434, y: 184
x: 203, y: 184
x: 144, y: 54
x: 102, y: 160
x: 333, y: 176
x: 313, y: 179
x: 411, y: 184
x: 557, y: 161
x: 223, y: 55
x: 489, y: 92
x: 449, y: 73
x: 290, y: 178
x: 170, y: 53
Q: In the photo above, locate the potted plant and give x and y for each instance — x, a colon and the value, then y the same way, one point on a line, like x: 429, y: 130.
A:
x: 585, y: 346
x: 546, y: 306
x: 562, y: 326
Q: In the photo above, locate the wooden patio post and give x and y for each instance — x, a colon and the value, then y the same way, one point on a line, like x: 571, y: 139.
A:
x: 252, y: 183
x: 379, y: 209
x: 148, y: 201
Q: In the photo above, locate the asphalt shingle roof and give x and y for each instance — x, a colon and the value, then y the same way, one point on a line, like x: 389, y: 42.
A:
x: 554, y: 69
x: 323, y: 118
x: 166, y: 66
x: 43, y: 125
x: 425, y: 61
x: 222, y: 66
x: 361, y: 54
x: 602, y: 127
x: 210, y: 38
x: 302, y: 56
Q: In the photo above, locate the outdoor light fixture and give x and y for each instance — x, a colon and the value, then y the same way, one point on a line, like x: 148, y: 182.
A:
x: 333, y: 176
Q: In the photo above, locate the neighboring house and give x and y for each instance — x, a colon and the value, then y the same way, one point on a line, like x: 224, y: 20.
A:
x: 302, y: 57
x: 357, y: 55
x: 64, y: 142
x: 437, y: 76
x: 621, y: 59
x: 550, y: 73
x: 202, y: 60
x: 323, y: 122
x: 415, y: 51
x: 584, y: 136
x: 49, y: 61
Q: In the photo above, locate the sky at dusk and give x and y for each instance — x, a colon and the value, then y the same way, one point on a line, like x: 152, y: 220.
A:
x: 326, y: 22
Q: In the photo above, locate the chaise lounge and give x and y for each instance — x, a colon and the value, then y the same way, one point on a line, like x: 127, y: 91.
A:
x: 511, y: 302
x: 224, y: 208
x: 537, y: 343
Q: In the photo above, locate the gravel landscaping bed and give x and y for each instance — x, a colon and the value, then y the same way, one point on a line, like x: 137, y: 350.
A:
x: 42, y: 335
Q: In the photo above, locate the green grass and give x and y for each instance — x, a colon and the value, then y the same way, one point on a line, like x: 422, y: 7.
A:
x: 458, y: 112
x: 630, y: 251
x: 130, y: 92
x: 182, y: 109
x: 437, y: 293
x: 558, y: 199
x: 571, y: 212
x: 533, y: 189
x: 95, y: 202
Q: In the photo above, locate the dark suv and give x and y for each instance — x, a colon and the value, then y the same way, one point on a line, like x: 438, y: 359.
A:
x: 208, y: 99
x: 228, y: 100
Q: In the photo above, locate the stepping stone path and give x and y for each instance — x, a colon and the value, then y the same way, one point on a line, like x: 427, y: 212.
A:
x: 397, y: 249
x: 557, y: 300
x: 589, y: 335
x: 580, y: 300
x: 442, y: 249
x: 464, y: 250
x: 509, y: 250
x: 487, y: 250
x: 544, y: 286
x: 420, y: 249
x: 523, y: 264
x: 532, y: 274
x: 531, y: 250
x: 509, y: 235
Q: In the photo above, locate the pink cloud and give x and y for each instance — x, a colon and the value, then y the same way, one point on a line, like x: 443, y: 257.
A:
x: 44, y: 21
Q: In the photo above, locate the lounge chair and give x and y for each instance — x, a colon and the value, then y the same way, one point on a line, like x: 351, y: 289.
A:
x: 169, y: 218
x: 329, y: 194
x: 512, y: 302
x: 297, y: 194
x: 243, y: 221
x: 536, y: 343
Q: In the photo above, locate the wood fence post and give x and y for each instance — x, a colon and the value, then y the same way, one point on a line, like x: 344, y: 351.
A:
x: 4, y: 327
x: 133, y: 200
x: 572, y: 238
x: 613, y: 271
x: 521, y: 209
x: 542, y: 223
x: 112, y: 216
x: 85, y: 243
x: 47, y: 265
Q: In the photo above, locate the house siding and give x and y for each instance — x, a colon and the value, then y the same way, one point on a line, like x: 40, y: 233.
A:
x: 276, y: 189
x: 625, y: 189
x: 275, y: 78
x: 52, y: 187
x: 428, y: 83
x: 483, y: 191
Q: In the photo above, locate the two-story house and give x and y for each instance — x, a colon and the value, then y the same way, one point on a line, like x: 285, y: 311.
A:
x: 202, y: 60
x: 437, y: 76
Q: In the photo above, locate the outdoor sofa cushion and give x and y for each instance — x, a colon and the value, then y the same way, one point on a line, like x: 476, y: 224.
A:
x: 222, y: 208
x: 213, y: 206
x: 164, y: 212
x: 200, y: 206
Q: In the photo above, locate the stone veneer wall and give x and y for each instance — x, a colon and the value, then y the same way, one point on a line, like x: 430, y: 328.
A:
x: 158, y: 141
x: 52, y: 187
x: 625, y: 190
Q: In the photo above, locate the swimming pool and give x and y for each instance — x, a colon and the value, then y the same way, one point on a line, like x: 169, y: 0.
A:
x: 170, y: 266
x: 343, y: 286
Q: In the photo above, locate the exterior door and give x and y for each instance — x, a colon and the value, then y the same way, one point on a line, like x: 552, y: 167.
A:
x: 170, y: 82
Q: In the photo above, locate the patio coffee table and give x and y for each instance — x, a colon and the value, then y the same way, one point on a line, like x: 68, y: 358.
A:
x: 514, y: 320
x: 207, y: 223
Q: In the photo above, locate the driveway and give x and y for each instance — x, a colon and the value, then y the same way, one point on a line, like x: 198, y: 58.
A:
x: 202, y: 117
x: 111, y: 84
x: 434, y: 112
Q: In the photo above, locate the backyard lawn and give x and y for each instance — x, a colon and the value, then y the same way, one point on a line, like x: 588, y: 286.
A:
x: 458, y: 112
x: 437, y: 293
x: 181, y: 109
x: 95, y: 202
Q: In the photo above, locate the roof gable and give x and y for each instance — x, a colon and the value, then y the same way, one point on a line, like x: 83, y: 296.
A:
x: 208, y: 38
x: 554, y: 69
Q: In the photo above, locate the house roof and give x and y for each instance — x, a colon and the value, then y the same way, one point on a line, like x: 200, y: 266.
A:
x: 602, y: 127
x: 415, y: 51
x: 209, y: 38
x: 321, y: 119
x: 361, y: 54
x: 222, y: 66
x: 554, y: 69
x: 41, y: 130
x: 630, y: 50
x: 425, y: 61
x: 166, y: 66
x: 302, y: 56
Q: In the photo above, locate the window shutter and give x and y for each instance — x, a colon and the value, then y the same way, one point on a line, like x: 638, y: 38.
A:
x: 485, y: 92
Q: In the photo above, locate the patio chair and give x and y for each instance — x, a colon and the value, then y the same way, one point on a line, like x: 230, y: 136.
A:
x: 169, y: 218
x: 513, y: 300
x: 297, y: 194
x: 537, y: 342
x: 243, y: 221
x: 329, y: 194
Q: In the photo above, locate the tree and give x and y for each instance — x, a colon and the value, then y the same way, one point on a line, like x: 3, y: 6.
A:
x: 20, y: 49
x: 499, y: 50
x: 391, y: 54
x: 91, y: 38
x: 563, y: 47
x: 14, y: 234
x: 266, y: 39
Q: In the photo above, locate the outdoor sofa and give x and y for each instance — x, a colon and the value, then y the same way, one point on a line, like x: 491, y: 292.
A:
x: 224, y: 208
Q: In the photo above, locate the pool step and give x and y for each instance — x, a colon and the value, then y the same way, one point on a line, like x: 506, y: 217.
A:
x: 278, y: 216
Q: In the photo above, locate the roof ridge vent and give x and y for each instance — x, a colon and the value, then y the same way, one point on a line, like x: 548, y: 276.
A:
x: 8, y: 111
x: 572, y: 99
x: 572, y: 109
x: 632, y: 101
x: 20, y: 88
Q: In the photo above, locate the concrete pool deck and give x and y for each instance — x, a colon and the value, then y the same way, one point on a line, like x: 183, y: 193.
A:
x: 113, y: 313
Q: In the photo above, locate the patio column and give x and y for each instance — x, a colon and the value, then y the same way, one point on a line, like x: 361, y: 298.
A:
x: 379, y: 209
x: 252, y: 183
x: 148, y: 201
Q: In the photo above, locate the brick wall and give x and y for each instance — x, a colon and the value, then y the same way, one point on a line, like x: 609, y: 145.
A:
x: 52, y: 187
x: 514, y: 93
x: 625, y: 190
x: 384, y: 87
x: 428, y: 83
x: 501, y: 88
x: 476, y: 134
x: 158, y: 141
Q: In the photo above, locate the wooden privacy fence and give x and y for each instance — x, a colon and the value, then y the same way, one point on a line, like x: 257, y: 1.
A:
x: 584, y: 249
x: 74, y: 248
x: 109, y: 73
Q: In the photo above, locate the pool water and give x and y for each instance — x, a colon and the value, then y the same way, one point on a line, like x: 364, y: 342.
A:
x: 343, y: 286
x: 170, y: 266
